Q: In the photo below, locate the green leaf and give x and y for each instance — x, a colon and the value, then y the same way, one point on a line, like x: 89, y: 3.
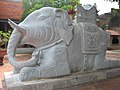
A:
x: 31, y: 5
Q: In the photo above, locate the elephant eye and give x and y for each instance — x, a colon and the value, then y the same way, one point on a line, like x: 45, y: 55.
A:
x: 42, y: 17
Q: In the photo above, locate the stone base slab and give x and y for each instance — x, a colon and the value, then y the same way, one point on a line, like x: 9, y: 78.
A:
x: 12, y: 82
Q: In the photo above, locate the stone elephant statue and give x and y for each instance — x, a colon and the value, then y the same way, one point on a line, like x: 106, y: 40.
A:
x: 61, y: 46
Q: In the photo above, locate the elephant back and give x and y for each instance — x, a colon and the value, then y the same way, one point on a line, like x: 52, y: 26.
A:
x: 88, y: 45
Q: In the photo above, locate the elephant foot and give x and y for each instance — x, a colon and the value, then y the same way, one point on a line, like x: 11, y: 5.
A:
x: 107, y: 64
x: 29, y: 73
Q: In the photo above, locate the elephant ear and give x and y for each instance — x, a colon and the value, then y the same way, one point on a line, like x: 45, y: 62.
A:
x: 63, y: 25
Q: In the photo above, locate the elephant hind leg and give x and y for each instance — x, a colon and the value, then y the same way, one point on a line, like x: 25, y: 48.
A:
x: 29, y: 73
x: 107, y: 64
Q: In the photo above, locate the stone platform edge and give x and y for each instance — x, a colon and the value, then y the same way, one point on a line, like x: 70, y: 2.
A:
x: 12, y: 82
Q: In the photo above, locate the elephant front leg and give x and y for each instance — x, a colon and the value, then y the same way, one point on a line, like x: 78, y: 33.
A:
x: 53, y: 62
x: 29, y: 73
x: 28, y: 63
x: 33, y: 72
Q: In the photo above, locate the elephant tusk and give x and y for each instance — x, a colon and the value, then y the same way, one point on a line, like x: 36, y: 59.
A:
x: 15, y: 26
x: 12, y: 24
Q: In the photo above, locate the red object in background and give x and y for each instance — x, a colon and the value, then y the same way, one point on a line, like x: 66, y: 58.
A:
x: 71, y: 11
x: 11, y: 9
x: 3, y: 52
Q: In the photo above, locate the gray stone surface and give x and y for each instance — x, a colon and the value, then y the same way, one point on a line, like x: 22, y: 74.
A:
x: 13, y: 82
x: 61, y: 46
x: 86, y: 13
x: 24, y: 50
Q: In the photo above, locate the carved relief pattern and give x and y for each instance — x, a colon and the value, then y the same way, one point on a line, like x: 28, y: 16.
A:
x: 85, y: 62
x: 91, y: 39
x: 84, y: 15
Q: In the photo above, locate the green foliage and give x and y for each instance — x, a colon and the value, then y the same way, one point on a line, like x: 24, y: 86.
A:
x: 116, y: 11
x: 4, y: 37
x: 32, y: 5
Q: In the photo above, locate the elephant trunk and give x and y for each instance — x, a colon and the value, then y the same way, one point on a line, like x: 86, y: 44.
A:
x: 12, y: 44
x: 14, y: 41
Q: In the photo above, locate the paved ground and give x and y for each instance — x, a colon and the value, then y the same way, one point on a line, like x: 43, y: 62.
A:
x: 113, y: 54
x: 7, y: 67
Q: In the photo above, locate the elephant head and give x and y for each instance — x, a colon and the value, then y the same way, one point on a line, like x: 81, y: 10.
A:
x: 41, y: 28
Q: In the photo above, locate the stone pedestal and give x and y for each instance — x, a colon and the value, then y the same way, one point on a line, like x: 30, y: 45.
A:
x: 75, y: 81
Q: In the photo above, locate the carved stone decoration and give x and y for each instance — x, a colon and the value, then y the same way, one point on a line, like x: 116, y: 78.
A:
x: 61, y: 46
x: 90, y: 39
x: 86, y: 13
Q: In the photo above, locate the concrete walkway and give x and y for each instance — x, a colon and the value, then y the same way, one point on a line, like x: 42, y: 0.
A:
x: 113, y: 54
